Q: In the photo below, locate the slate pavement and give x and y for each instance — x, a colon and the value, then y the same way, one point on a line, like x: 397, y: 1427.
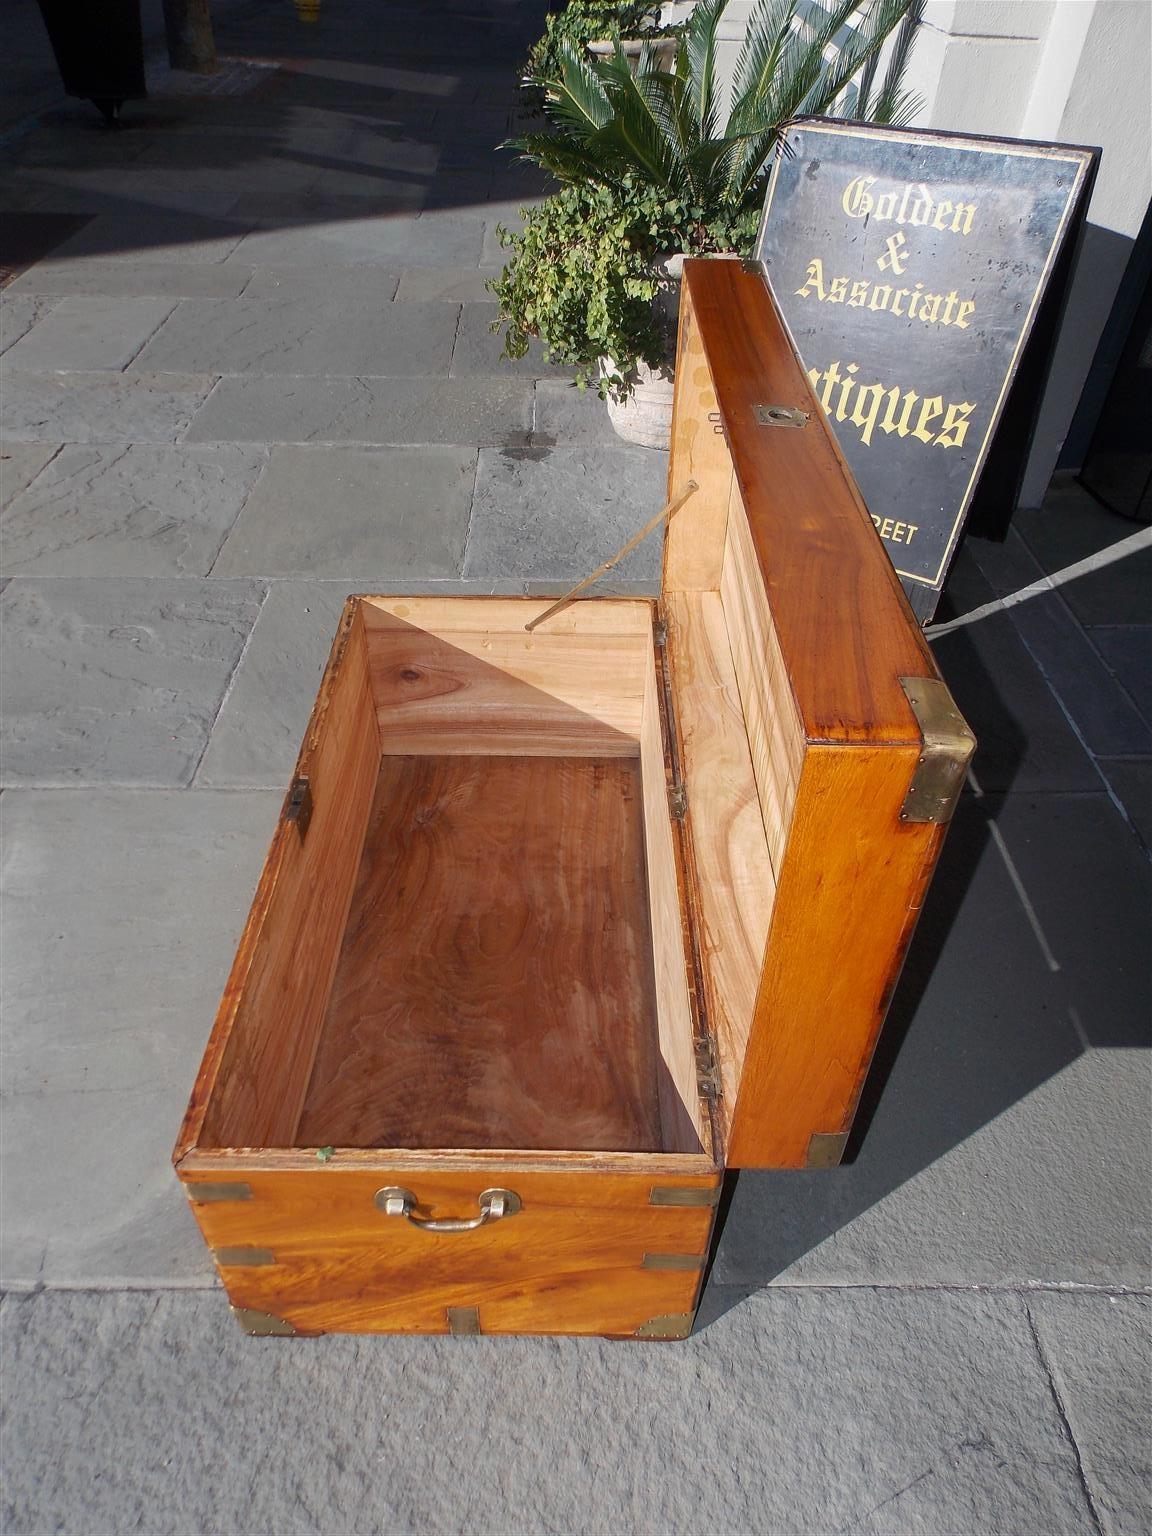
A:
x: 248, y: 369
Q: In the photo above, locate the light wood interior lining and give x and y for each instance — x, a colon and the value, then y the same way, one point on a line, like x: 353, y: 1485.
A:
x: 680, y: 1105
x: 694, y: 540
x: 274, y: 1006
x: 775, y: 734
x: 461, y: 675
x: 563, y: 877
x: 743, y: 741
x: 734, y: 884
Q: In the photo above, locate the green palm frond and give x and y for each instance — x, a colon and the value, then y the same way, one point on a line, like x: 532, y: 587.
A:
x: 611, y: 120
x: 698, y: 50
x: 830, y: 80
x: 579, y: 98
x: 769, y: 28
x: 892, y: 105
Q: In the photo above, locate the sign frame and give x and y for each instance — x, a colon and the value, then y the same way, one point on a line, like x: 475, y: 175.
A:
x: 1031, y: 355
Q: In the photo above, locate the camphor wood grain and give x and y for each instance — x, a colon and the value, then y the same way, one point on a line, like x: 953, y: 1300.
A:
x: 788, y: 636
x: 499, y: 954
x: 572, y: 1261
x: 251, y: 1084
x: 850, y: 892
x: 694, y: 538
x: 844, y: 627
x: 495, y: 987
x: 820, y: 635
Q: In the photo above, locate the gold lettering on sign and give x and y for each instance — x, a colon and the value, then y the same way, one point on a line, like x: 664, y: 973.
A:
x: 890, y: 408
x: 946, y: 309
x: 908, y: 204
x: 898, y: 533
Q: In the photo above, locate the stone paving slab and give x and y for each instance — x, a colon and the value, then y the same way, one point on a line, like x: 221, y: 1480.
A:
x: 1098, y: 1352
x: 996, y: 1147
x: 455, y: 285
x: 1089, y: 889
x: 19, y: 312
x: 287, y: 334
x: 1072, y: 525
x: 1025, y: 741
x: 139, y: 510
x: 479, y: 350
x: 257, y: 736
x: 121, y: 914
x: 100, y: 407
x: 171, y: 279
x: 1054, y: 1191
x: 557, y: 513
x: 493, y: 252
x: 116, y: 681
x: 261, y: 725
x: 369, y: 515
x: 136, y: 235
x: 1130, y: 780
x: 1106, y: 719
x: 89, y: 332
x: 382, y: 411
x: 399, y: 241
x: 20, y: 463
x: 1127, y: 652
x: 860, y: 1411
x: 566, y: 414
x: 355, y: 288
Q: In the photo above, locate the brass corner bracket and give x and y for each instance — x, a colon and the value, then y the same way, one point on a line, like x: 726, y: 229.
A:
x: 262, y: 1325
x: 672, y: 1325
x: 826, y: 1149
x: 946, y: 750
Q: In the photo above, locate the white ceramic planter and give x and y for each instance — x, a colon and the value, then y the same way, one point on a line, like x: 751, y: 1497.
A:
x: 645, y: 415
x: 665, y: 51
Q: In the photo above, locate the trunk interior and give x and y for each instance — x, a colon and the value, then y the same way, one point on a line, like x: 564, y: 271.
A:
x: 471, y: 938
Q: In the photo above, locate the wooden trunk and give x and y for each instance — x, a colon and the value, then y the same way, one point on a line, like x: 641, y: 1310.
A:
x: 556, y: 926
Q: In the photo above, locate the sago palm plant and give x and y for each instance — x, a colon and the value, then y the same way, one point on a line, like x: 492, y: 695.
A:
x: 648, y: 168
x: 664, y: 128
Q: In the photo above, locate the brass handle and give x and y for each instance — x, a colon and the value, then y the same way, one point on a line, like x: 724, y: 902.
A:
x: 494, y: 1203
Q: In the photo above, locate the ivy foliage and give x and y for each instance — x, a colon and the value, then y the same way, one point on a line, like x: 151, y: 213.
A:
x: 584, y: 272
x: 588, y: 21
x: 650, y: 163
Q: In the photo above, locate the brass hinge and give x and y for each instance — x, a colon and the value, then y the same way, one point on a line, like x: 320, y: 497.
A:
x: 718, y: 424
x: 707, y: 1068
x: 946, y: 750
x: 779, y: 416
x: 298, y: 806
x: 677, y: 794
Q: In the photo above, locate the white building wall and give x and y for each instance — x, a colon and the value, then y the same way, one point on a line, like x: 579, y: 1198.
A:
x: 1077, y: 71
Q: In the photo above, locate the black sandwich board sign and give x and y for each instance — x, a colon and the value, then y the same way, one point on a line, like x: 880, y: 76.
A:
x: 921, y: 275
